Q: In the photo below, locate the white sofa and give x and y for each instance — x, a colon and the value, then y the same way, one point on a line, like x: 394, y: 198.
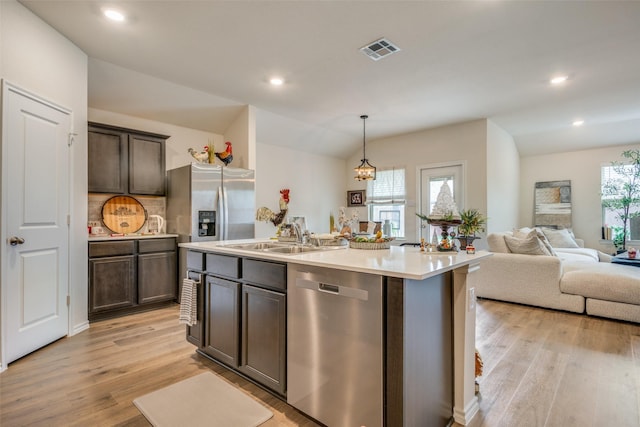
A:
x: 574, y: 279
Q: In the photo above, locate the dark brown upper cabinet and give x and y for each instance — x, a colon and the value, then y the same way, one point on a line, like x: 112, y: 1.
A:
x: 126, y: 161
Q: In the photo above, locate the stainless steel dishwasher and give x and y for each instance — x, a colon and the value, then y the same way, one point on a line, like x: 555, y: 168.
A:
x: 335, y: 345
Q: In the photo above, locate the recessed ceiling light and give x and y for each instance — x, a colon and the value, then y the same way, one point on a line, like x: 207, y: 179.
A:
x: 114, y: 15
x: 577, y: 123
x: 558, y: 80
x: 276, y: 81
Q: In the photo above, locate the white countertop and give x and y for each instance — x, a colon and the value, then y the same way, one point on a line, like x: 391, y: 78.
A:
x: 405, y: 262
x: 107, y: 237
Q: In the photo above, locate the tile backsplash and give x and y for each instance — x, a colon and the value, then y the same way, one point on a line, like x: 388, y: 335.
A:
x: 154, y: 205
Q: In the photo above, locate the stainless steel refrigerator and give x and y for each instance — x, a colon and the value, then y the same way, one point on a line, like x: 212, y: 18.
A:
x: 208, y: 202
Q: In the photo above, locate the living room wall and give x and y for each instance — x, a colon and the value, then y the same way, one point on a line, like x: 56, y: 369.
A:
x: 583, y: 169
x: 458, y: 142
x: 503, y: 179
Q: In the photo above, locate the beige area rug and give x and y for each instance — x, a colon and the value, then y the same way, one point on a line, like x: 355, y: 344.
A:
x: 203, y: 400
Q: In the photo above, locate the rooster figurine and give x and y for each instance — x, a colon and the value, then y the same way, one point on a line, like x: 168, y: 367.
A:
x: 202, y: 156
x: 266, y: 214
x: 226, y: 156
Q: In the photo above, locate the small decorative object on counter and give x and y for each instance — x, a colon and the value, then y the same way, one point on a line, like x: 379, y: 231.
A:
x: 444, y: 214
x: 422, y: 244
x: 471, y: 249
x: 267, y: 215
x: 632, y: 253
x: 386, y: 227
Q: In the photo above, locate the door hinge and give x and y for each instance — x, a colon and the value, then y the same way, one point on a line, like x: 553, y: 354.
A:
x: 71, y: 139
x: 68, y: 219
x: 68, y: 300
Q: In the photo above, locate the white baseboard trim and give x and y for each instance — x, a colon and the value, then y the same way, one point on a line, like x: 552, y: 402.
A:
x: 465, y: 416
x: 79, y: 328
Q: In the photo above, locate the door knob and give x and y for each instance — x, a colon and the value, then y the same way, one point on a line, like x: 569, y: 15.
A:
x: 13, y: 241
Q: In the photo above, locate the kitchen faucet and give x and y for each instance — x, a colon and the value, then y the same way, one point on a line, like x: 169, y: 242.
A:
x: 301, y: 237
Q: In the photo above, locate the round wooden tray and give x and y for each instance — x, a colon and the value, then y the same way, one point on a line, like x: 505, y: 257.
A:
x: 123, y: 214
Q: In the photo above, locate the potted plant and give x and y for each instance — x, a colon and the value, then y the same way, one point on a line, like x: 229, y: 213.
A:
x: 472, y: 222
x: 622, y: 193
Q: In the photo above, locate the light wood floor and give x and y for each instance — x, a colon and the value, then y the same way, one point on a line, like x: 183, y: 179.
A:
x: 542, y: 368
x: 556, y: 369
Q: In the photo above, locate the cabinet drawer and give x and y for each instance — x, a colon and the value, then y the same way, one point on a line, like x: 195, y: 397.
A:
x: 102, y: 249
x: 223, y: 265
x: 156, y: 245
x: 269, y: 274
x: 195, y: 260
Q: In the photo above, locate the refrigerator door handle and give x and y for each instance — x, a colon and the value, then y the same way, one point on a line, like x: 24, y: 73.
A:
x: 220, y: 214
x: 225, y: 213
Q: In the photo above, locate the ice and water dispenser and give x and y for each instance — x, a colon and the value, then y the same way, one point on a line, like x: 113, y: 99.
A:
x: 206, y: 223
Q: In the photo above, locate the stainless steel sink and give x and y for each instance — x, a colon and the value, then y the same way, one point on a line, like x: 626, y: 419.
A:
x: 295, y: 249
x: 280, y: 247
x: 257, y: 246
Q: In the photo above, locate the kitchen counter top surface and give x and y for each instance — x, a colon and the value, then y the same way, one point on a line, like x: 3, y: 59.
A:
x: 405, y: 262
x: 108, y: 237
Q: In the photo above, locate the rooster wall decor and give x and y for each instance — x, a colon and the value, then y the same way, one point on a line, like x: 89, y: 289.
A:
x: 265, y: 214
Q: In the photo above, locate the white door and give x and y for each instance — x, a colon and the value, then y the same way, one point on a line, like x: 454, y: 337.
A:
x: 431, y: 179
x: 35, y: 208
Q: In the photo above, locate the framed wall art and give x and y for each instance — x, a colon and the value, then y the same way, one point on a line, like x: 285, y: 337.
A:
x: 355, y: 198
x: 553, y: 204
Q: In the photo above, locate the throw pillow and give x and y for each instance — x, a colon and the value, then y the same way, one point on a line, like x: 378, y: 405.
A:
x: 560, y: 238
x: 530, y: 245
x: 523, y: 232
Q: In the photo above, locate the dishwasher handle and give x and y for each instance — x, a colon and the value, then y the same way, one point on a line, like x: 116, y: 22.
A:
x: 325, y: 287
x: 337, y: 290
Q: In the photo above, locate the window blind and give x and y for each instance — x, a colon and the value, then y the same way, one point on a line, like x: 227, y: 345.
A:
x: 388, y: 188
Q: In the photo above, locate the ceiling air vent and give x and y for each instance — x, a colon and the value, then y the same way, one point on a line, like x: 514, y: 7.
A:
x: 379, y: 49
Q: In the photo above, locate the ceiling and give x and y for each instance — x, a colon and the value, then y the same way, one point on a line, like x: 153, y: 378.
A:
x: 197, y: 63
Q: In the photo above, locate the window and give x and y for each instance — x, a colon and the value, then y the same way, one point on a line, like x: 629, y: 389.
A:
x: 615, y: 181
x: 386, y: 199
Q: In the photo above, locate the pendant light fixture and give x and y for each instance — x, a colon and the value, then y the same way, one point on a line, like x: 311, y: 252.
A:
x: 364, y: 172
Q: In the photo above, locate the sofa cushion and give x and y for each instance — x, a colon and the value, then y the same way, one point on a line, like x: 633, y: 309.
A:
x: 604, y: 281
x: 526, y: 230
x: 496, y: 242
x: 578, y: 254
x: 560, y: 238
x: 529, y: 245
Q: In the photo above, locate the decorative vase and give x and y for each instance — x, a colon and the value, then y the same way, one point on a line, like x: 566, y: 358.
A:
x: 386, y: 228
x: 466, y: 240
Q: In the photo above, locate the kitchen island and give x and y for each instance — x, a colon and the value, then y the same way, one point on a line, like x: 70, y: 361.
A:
x: 411, y: 362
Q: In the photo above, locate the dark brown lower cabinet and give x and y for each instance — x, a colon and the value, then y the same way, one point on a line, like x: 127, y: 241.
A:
x: 156, y: 277
x: 113, y: 283
x: 222, y: 320
x: 264, y: 337
x: 131, y: 275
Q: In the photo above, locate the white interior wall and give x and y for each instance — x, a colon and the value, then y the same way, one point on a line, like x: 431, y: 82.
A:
x: 503, y: 179
x: 238, y: 134
x: 463, y: 141
x: 316, y: 183
x: 180, y: 138
x: 40, y: 60
x: 583, y: 169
